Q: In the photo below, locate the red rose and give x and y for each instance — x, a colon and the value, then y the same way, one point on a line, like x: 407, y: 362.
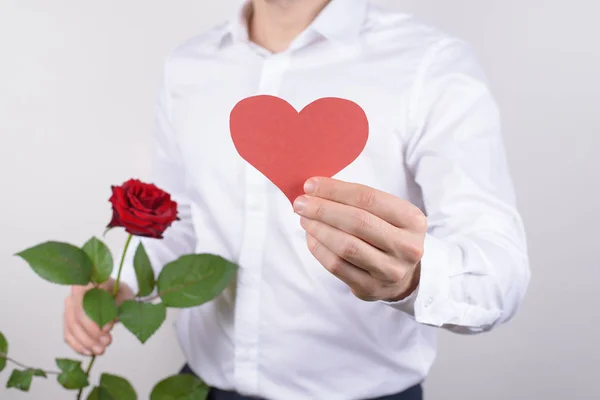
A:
x: 142, y: 209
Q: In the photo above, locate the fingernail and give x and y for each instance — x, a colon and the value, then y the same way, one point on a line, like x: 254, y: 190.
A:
x: 98, y: 349
x: 300, y: 204
x: 87, y: 352
x: 310, y: 186
x: 105, y: 340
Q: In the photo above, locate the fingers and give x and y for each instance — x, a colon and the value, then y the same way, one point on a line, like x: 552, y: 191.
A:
x: 82, y: 334
x: 68, y: 336
x: 90, y: 327
x: 75, y: 345
x: 359, y: 282
x: 349, y: 248
x: 97, y: 339
x: 352, y: 220
x: 398, y: 212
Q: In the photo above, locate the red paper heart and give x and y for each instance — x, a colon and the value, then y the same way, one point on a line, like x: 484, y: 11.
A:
x: 290, y: 147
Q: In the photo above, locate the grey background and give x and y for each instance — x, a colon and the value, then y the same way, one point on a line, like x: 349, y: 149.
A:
x: 77, y: 82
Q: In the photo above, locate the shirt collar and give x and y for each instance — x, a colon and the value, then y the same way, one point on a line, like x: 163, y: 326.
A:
x: 340, y: 21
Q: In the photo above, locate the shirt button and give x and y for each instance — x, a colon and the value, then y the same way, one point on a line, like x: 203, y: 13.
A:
x: 429, y: 302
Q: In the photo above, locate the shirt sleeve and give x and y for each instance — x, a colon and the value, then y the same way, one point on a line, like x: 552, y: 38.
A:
x: 168, y: 173
x: 475, y: 268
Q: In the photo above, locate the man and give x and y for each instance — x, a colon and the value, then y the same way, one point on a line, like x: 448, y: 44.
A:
x: 341, y: 299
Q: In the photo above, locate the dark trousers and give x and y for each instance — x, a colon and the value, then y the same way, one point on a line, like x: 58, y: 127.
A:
x: 413, y: 393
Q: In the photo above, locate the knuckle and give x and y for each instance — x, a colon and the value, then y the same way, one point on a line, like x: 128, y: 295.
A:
x: 421, y: 223
x: 397, y: 274
x: 366, y: 198
x: 361, y: 222
x: 413, y: 251
x: 336, y: 266
x: 350, y: 249
x: 320, y: 210
x: 418, y: 221
x: 313, y: 245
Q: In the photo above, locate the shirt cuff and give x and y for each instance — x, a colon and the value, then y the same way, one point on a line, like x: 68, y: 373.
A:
x: 429, y: 303
x: 407, y: 304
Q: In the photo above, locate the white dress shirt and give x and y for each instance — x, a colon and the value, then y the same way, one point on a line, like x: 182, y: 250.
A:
x: 287, y: 329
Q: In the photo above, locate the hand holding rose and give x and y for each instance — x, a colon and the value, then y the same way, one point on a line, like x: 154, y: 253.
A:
x: 81, y: 333
x: 371, y: 240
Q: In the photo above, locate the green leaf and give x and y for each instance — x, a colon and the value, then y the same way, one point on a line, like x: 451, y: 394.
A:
x: 100, y: 393
x: 119, y: 388
x: 102, y: 260
x: 72, y: 377
x: 3, y: 350
x: 59, y: 263
x: 142, y: 319
x: 39, y: 372
x: 180, y: 387
x: 20, y: 380
x: 143, y: 271
x: 194, y: 279
x: 100, y: 306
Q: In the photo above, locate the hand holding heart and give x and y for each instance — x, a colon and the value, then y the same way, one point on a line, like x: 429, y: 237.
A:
x: 371, y: 240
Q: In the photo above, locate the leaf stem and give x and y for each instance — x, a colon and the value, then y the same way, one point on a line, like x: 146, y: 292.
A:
x: 7, y: 358
x: 115, y: 291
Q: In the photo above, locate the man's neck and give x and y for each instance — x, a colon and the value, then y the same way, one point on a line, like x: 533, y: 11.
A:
x: 274, y: 24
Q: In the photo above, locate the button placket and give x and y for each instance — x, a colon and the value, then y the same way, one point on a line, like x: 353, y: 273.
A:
x: 247, y: 312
